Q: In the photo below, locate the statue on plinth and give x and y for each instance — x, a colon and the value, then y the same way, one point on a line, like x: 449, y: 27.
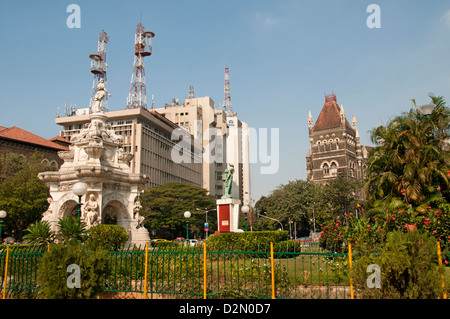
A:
x: 227, y: 178
x: 97, y: 105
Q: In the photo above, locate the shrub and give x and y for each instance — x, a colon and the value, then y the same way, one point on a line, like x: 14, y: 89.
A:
x: 109, y: 237
x: 409, y: 268
x: 52, y: 272
x: 332, y: 237
x: 252, y: 241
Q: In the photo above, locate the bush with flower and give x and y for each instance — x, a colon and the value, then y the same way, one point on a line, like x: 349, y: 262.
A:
x: 370, y: 231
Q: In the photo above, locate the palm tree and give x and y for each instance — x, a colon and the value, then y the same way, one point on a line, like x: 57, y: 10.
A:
x: 39, y: 233
x: 411, y: 161
x: 71, y: 229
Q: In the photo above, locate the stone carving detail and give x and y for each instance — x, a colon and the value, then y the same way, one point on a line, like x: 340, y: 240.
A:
x: 48, y: 213
x: 137, y: 216
x: 90, y: 212
x: 97, y: 105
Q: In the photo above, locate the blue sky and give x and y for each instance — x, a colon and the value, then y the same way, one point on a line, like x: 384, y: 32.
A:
x: 283, y: 56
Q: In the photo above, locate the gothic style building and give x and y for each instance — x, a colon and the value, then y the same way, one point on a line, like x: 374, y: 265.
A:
x: 335, y: 147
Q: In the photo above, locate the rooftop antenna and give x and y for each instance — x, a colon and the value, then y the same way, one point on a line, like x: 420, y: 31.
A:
x: 99, y: 67
x: 142, y: 48
x: 227, y: 96
x: 191, y: 92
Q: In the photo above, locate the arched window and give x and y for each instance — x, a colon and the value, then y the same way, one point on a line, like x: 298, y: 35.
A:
x: 333, y: 169
x: 326, y: 169
x: 352, y: 169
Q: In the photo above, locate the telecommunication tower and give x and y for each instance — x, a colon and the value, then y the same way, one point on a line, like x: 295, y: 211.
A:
x: 227, y: 96
x: 142, y: 48
x: 99, y: 67
x: 191, y: 92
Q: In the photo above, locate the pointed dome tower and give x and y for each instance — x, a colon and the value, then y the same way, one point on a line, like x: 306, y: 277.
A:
x: 333, y: 144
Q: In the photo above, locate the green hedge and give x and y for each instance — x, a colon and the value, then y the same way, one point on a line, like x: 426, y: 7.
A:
x: 253, y: 241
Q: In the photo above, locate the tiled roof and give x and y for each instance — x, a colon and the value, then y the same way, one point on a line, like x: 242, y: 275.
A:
x: 17, y: 134
x: 59, y: 139
x: 330, y: 116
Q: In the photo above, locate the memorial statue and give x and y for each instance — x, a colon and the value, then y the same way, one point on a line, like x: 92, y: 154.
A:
x: 90, y: 212
x: 227, y: 178
x: 99, y: 96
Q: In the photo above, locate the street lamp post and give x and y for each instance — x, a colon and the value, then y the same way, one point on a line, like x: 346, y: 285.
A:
x: 187, y: 215
x: 206, y: 220
x: 2, y: 215
x: 427, y: 110
x: 79, y: 189
x: 245, y: 209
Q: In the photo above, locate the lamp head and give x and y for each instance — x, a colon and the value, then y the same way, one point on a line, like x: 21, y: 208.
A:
x: 79, y: 189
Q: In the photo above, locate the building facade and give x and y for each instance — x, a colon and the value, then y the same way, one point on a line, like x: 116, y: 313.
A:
x: 147, y: 135
x: 335, y: 148
x: 223, y: 140
x: 17, y: 140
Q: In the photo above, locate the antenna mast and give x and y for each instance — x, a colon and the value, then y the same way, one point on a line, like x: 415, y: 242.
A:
x: 191, y: 92
x: 142, y: 48
x: 227, y: 96
x: 99, y: 67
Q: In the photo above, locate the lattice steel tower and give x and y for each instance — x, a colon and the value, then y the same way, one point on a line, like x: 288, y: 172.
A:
x: 142, y: 48
x: 99, y: 67
x: 227, y: 96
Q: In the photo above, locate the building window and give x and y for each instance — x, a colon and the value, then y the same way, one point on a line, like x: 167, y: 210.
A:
x: 119, y: 122
x: 219, y: 176
x: 333, y: 169
x: 326, y: 169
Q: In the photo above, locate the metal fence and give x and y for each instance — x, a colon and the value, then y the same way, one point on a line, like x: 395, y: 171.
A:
x: 294, y: 271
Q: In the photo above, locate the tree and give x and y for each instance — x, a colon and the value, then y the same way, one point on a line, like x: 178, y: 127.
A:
x: 341, y: 194
x: 163, y: 208
x: 22, y: 195
x: 71, y: 229
x: 297, y: 201
x: 410, y: 164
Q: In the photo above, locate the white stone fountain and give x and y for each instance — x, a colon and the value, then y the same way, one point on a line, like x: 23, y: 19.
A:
x: 97, y: 159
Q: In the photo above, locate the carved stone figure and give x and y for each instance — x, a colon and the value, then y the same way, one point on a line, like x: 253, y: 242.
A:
x: 90, y: 212
x: 227, y: 178
x: 99, y: 96
x: 137, y: 216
